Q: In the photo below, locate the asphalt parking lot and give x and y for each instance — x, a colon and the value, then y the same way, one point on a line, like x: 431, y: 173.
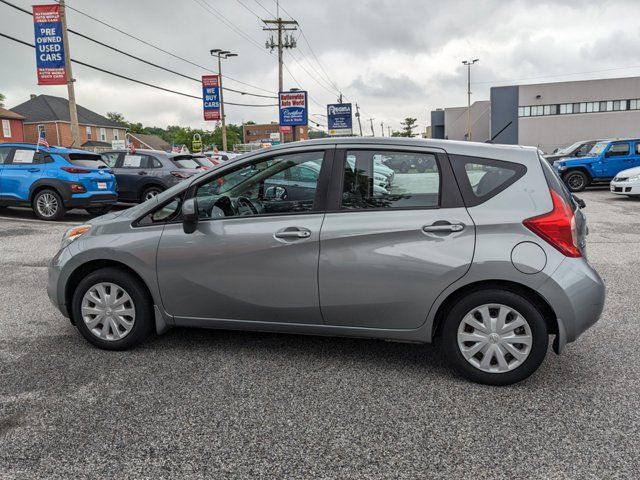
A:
x: 216, y: 404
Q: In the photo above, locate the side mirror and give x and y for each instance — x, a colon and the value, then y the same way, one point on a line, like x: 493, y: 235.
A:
x: 189, y: 215
x: 275, y: 193
x: 581, y: 203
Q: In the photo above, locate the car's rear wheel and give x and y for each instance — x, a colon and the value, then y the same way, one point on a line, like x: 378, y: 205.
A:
x: 149, y: 193
x: 112, y: 309
x: 47, y: 205
x: 495, y: 337
x: 97, y: 211
x: 576, y: 180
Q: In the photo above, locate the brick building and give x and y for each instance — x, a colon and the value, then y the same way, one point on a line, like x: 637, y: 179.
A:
x: 51, y: 114
x: 259, y: 133
x: 12, y: 126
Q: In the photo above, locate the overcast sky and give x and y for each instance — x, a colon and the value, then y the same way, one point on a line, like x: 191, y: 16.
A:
x: 395, y: 58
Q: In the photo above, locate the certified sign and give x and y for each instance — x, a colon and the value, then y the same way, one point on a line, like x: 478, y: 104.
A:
x: 49, y: 46
x: 293, y: 108
x: 211, y: 97
x: 339, y: 119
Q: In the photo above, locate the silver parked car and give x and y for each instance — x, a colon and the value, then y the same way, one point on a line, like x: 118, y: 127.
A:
x: 485, y: 249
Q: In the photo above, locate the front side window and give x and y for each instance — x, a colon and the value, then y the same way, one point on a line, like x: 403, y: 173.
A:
x: 6, y: 128
x: 367, y: 186
x: 618, y: 149
x: 637, y: 149
x: 264, y: 187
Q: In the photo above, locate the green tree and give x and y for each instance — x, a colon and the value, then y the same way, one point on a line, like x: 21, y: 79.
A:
x: 2, y: 99
x: 407, y: 127
x: 117, y: 117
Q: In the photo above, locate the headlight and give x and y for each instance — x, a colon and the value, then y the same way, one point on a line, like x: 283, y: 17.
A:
x: 634, y: 178
x: 73, y: 233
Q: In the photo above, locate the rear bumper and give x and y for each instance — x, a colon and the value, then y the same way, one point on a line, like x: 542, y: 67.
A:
x: 85, y: 200
x: 576, y: 293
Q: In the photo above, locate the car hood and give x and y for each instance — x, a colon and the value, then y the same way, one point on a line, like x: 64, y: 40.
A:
x: 629, y: 172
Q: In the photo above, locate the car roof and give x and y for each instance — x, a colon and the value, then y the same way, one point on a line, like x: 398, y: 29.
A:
x: 52, y: 149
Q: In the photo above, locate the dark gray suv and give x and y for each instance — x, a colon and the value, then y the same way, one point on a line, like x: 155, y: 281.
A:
x: 145, y: 173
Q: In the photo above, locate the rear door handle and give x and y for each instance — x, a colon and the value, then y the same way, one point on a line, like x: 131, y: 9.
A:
x: 142, y: 173
x: 34, y: 169
x: 293, y: 233
x: 451, y: 227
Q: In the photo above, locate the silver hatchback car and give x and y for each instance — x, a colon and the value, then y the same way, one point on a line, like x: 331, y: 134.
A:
x: 483, y: 248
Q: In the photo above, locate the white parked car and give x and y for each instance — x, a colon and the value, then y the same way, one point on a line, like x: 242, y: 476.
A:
x: 627, y: 182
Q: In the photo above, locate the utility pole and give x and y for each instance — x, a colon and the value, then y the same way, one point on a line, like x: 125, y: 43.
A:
x: 373, y: 133
x: 281, y: 26
x: 382, y: 128
x: 222, y: 54
x: 73, y: 109
x: 358, y: 117
x: 340, y: 98
x: 468, y: 63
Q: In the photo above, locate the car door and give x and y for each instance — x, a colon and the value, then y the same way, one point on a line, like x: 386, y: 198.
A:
x: 130, y: 174
x: 636, y: 156
x: 617, y: 158
x: 5, y: 155
x: 252, y: 257
x: 21, y: 169
x: 385, y: 257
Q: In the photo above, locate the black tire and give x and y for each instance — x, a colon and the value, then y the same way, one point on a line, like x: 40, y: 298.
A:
x: 404, y: 167
x: 537, y: 325
x: 576, y: 180
x: 150, y: 192
x: 97, y: 211
x: 48, y: 198
x: 144, y: 317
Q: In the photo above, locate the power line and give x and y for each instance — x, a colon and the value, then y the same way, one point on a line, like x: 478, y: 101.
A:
x: 124, y: 77
x: 138, y: 39
x: 249, y: 10
x: 135, y: 57
x: 262, y: 6
x: 332, y: 92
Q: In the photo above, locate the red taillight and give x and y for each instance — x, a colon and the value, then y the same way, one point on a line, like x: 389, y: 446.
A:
x: 181, y: 174
x: 77, y: 188
x: 558, y: 227
x: 75, y: 170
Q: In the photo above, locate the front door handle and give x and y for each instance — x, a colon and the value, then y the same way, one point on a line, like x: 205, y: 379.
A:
x: 33, y: 170
x: 142, y: 173
x: 293, y: 233
x: 445, y: 227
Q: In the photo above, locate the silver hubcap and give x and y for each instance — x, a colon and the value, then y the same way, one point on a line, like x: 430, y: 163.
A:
x: 494, y: 338
x: 151, y: 194
x: 47, y: 205
x: 108, y: 311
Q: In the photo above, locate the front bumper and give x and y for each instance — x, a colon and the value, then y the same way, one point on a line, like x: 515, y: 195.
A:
x: 625, y: 188
x: 576, y: 293
x: 55, y: 289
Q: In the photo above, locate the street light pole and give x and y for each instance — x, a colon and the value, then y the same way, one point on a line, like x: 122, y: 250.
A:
x: 222, y: 54
x: 468, y: 63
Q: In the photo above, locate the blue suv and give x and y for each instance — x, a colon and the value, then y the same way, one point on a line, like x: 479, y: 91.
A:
x: 53, y: 180
x: 601, y: 164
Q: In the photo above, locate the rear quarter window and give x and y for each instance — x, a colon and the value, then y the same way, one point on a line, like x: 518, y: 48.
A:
x: 483, y: 178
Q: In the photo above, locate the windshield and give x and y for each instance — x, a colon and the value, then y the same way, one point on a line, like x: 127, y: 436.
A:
x: 569, y: 149
x: 598, y: 148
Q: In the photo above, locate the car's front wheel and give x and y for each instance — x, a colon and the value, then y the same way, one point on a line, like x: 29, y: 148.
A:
x: 576, y: 180
x: 47, y: 205
x: 495, y: 337
x: 112, y: 309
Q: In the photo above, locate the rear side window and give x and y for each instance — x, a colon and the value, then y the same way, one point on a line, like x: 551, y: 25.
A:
x: 86, y: 160
x: 110, y: 158
x: 483, y: 178
x: 618, y: 149
x: 366, y: 185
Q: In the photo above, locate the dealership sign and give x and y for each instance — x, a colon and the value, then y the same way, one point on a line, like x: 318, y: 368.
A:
x: 339, y: 119
x: 293, y: 108
x: 211, y: 97
x: 47, y: 24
